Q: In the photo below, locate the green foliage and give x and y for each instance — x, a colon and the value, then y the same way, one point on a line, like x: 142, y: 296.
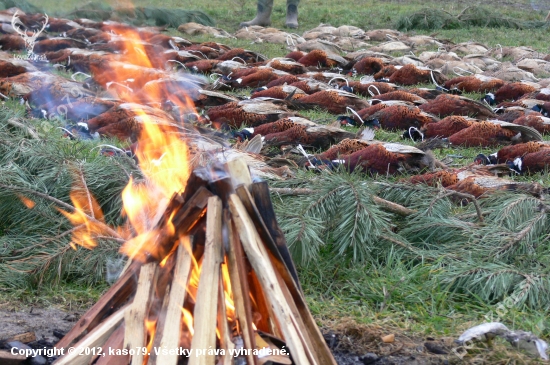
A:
x: 472, y: 16
x: 34, y: 245
x: 141, y: 15
x: 499, y: 252
x: 24, y: 5
x: 341, y: 212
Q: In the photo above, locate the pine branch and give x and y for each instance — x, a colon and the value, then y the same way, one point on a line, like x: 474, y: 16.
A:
x: 114, y: 234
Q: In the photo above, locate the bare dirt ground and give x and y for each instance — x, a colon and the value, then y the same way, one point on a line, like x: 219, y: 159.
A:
x: 351, y: 344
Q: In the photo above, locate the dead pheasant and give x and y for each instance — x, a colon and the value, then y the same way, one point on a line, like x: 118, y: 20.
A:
x: 401, y: 95
x: 278, y: 126
x: 320, y: 58
x: 493, y: 133
x: 512, y: 91
x: 370, y: 89
x: 259, y: 78
x: 333, y: 101
x: 447, y: 104
x: 368, y: 66
x: 279, y: 92
x: 401, y: 117
x: 242, y: 54
x: 538, y: 122
x: 475, y: 84
x: 532, y: 163
x: 412, y: 75
x: 476, y: 180
x: 283, y: 80
x: 251, y: 112
x: 287, y: 65
x: 318, y: 136
x: 510, y: 153
x: 388, y: 158
x: 446, y: 127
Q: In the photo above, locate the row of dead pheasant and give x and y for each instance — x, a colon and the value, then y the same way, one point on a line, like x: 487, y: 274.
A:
x: 282, y: 88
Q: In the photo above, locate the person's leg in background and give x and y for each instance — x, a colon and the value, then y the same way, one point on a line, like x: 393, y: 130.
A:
x: 263, y: 16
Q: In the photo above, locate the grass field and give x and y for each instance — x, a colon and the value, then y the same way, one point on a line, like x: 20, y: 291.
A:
x: 393, y: 294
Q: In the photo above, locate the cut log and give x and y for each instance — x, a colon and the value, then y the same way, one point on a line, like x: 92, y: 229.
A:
x: 285, y: 265
x: 117, y: 295
x: 171, y: 329
x: 205, y: 315
x: 94, y: 339
x: 115, y: 341
x: 135, y: 335
x: 264, y: 270
x: 239, y: 285
x: 238, y: 170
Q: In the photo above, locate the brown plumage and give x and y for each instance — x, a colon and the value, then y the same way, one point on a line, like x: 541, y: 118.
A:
x: 280, y: 92
x: 510, y: 153
x: 400, y: 117
x: 513, y: 113
x: 310, y: 86
x: 412, y: 75
x: 476, y: 180
x: 447, y: 126
x: 345, y: 147
x: 443, y: 177
x: 281, y: 80
x: 318, y: 136
x: 280, y: 125
x: 540, y: 123
x: 105, y: 71
x: 286, y: 65
x: 333, y: 101
x: 447, y: 104
x: 12, y: 42
x: 368, y: 66
x: 295, y: 55
x: 55, y: 44
x: 256, y: 79
x: 180, y: 56
x: 247, y: 56
x: 488, y: 134
x: 56, y: 25
x: 387, y: 158
x: 401, y: 95
x: 203, y: 66
x: 83, y: 33
x: 535, y: 162
x: 480, y: 186
x: 513, y: 91
x: 317, y: 58
x: 205, y: 50
x: 475, y: 84
x: 385, y: 73
x: 251, y: 112
x: 428, y: 94
x: 207, y: 98
x: 26, y: 82
x: 371, y: 89
x: 9, y: 68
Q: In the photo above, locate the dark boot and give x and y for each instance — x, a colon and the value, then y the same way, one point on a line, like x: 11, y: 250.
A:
x: 292, y: 13
x: 263, y: 17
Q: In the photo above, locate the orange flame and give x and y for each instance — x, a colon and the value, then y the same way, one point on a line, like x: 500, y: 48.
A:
x: 188, y: 320
x: 228, y: 293
x: 86, y: 230
x: 26, y: 201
